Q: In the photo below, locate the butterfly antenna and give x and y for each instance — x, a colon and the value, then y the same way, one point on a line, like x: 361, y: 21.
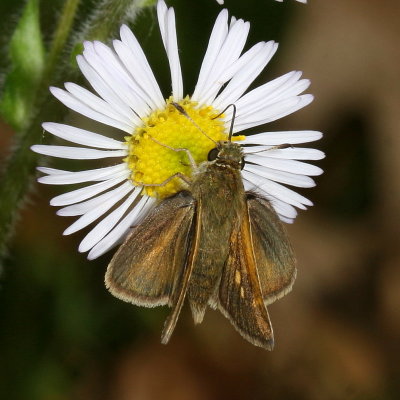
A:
x: 232, y: 120
x: 184, y: 113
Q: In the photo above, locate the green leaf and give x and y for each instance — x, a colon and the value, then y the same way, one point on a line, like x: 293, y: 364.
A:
x: 27, y: 56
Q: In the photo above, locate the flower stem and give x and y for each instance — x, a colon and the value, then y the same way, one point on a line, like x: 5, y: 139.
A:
x: 107, y: 17
x: 61, y: 35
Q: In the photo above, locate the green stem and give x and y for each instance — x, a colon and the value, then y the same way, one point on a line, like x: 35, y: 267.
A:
x: 109, y: 14
x: 61, y: 35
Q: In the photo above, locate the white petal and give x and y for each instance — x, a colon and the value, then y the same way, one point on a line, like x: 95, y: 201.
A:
x: 284, y: 219
x: 284, y: 137
x: 286, y: 212
x: 228, y: 54
x: 82, y: 136
x: 271, y: 92
x: 114, y: 65
x: 51, y: 171
x: 283, y: 209
x: 86, y: 192
x: 76, y: 153
x: 250, y: 66
x: 106, y: 91
x: 88, y: 205
x: 276, y: 190
x: 166, y: 20
x: 108, y: 223
x: 123, y: 227
x: 290, y: 153
x: 266, y: 104
x: 272, y: 112
x: 115, y: 76
x: 98, y: 210
x: 296, y: 167
x: 136, y: 62
x: 217, y: 38
x: 97, y: 104
x: 280, y: 176
x: 75, y: 104
x: 92, y: 175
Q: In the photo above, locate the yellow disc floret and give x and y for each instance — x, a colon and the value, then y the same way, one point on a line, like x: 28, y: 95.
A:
x: 182, y: 125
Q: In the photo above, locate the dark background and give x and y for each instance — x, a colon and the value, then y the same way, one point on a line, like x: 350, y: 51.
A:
x: 63, y: 336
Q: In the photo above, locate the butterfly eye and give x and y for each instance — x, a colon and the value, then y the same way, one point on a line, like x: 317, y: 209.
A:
x: 242, y: 163
x: 213, y: 154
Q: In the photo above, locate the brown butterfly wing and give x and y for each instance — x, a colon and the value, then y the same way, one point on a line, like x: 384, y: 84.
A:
x: 276, y: 264
x: 240, y: 296
x: 148, y: 268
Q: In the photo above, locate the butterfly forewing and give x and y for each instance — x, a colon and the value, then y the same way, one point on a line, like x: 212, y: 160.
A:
x: 276, y: 264
x: 148, y: 267
x: 240, y: 296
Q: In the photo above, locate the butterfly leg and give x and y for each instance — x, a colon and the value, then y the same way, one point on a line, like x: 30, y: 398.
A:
x: 187, y: 151
x: 177, y: 175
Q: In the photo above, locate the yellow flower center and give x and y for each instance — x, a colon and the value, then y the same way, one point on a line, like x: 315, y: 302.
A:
x: 152, y: 159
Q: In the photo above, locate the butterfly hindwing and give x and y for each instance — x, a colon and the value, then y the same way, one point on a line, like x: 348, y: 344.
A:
x: 276, y: 264
x: 148, y: 267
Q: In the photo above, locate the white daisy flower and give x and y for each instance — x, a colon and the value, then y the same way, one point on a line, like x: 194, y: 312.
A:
x: 129, y: 99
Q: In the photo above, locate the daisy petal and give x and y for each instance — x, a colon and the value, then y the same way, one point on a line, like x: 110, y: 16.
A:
x: 284, y: 219
x: 228, y: 55
x: 284, y: 137
x: 281, y: 176
x: 290, y: 153
x: 273, y: 112
x: 97, y: 104
x: 166, y: 20
x: 92, y: 175
x: 76, y: 153
x: 217, y: 38
x: 108, y: 223
x: 283, y: 209
x: 88, y: 205
x: 250, y: 66
x: 105, y: 64
x: 122, y: 228
x: 135, y: 61
x: 51, y: 171
x: 270, y: 93
x: 276, y: 190
x: 86, y: 192
x: 295, y: 167
x: 106, y: 91
x: 98, y: 210
x: 82, y: 136
x: 77, y: 105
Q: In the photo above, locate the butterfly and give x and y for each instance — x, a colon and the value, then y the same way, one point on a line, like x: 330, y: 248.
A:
x: 213, y: 245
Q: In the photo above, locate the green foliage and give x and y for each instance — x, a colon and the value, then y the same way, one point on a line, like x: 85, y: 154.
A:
x: 27, y: 56
x: 148, y: 3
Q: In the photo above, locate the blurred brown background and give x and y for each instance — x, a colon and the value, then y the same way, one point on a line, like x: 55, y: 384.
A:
x: 63, y: 336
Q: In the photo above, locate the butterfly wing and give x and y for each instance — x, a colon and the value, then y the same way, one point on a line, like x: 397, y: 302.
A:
x: 240, y: 296
x: 148, y: 268
x: 276, y: 264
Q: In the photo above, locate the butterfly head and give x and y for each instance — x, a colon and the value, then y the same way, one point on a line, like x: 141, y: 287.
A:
x: 227, y: 153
